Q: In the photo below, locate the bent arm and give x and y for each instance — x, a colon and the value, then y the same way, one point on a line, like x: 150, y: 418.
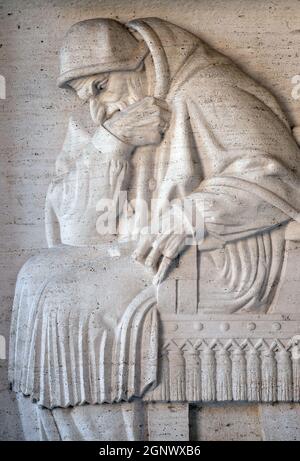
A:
x: 99, y: 171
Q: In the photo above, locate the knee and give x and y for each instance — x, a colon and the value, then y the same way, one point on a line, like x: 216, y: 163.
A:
x: 38, y: 266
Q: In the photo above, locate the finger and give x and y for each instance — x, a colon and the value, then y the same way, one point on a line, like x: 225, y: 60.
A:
x: 148, y: 122
x: 143, y: 103
x: 151, y: 116
x: 148, y: 105
x: 174, y: 246
x: 160, y: 241
x: 156, y: 105
x: 162, y: 271
x: 153, y: 257
x: 157, y: 243
x: 143, y: 248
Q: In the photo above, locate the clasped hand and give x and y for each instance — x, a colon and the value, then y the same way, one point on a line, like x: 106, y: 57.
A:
x: 141, y: 123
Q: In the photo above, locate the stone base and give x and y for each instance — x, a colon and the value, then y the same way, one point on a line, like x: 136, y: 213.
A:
x: 224, y: 422
x: 181, y: 422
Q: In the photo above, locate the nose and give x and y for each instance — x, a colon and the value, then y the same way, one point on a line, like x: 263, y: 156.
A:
x: 93, y: 90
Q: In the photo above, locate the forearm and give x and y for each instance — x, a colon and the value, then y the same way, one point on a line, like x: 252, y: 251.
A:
x: 228, y: 214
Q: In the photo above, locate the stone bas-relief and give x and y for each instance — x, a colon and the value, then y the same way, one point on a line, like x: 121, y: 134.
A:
x: 191, y: 293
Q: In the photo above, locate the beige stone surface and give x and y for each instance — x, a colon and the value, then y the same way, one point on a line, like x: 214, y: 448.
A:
x: 168, y: 422
x: 229, y: 422
x: 280, y: 422
x: 263, y: 38
x: 245, y: 422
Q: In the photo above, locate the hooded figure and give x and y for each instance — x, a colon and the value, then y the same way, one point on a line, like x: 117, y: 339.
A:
x: 227, y: 146
x: 228, y: 150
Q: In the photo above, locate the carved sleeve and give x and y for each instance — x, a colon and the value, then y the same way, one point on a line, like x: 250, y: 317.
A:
x: 229, y: 213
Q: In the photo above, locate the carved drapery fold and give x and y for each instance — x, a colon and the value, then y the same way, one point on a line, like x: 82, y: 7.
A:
x: 71, y: 358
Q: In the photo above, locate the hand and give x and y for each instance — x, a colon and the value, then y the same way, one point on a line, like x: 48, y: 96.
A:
x: 158, y: 248
x: 159, y: 252
x: 141, y: 123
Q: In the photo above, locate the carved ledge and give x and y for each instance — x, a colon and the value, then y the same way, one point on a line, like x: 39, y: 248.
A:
x: 245, y: 358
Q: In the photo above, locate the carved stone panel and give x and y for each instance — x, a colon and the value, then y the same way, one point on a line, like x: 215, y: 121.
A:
x: 172, y: 221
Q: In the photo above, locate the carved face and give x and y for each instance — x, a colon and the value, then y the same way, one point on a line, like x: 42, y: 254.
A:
x: 110, y: 92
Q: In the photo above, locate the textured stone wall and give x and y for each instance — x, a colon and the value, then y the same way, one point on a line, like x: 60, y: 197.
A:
x: 262, y: 37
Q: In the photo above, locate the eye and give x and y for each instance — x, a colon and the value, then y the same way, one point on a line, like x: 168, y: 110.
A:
x: 101, y: 85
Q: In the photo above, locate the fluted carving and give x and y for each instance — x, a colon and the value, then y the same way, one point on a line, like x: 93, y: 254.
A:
x: 260, y: 370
